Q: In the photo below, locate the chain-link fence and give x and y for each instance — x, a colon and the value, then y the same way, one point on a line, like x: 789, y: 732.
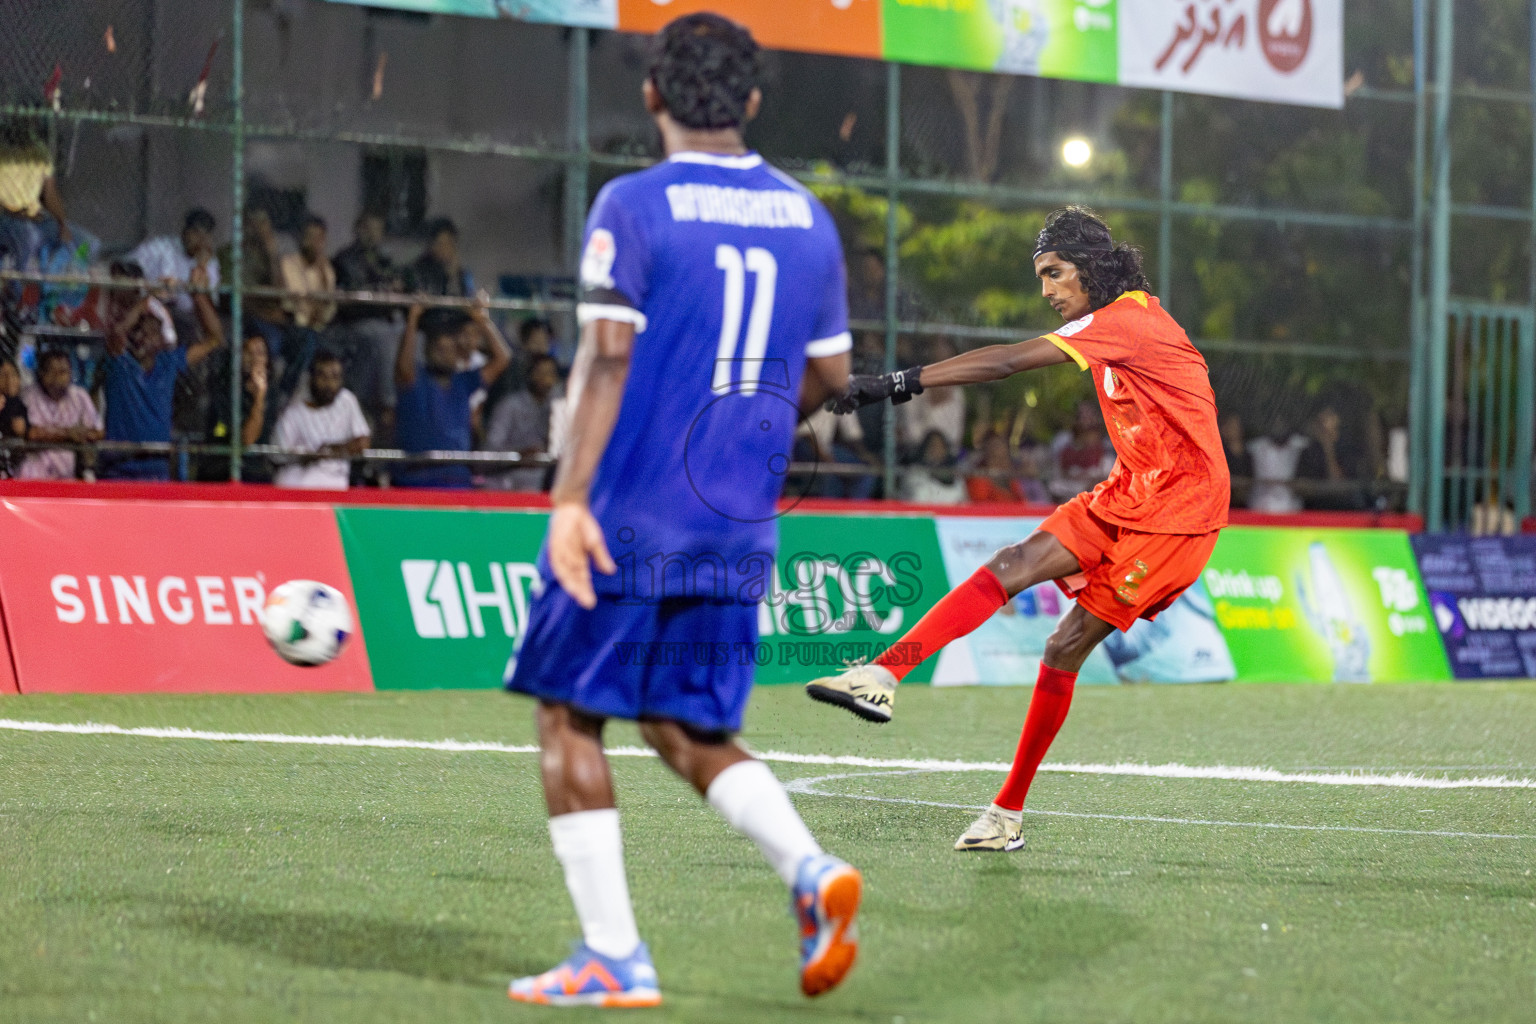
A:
x: 1290, y: 243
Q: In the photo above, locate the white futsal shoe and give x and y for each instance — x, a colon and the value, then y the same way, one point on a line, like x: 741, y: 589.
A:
x: 869, y: 691
x: 997, y: 829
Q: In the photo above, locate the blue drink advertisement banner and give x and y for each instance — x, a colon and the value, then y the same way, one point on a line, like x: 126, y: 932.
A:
x: 1483, y: 593
x: 1184, y: 645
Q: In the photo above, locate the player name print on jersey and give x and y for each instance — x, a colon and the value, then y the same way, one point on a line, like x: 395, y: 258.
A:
x: 741, y: 207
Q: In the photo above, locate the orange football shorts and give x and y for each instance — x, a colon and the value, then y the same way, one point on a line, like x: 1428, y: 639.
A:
x: 1127, y: 575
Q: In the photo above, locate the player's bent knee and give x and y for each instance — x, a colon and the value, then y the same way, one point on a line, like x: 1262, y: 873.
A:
x: 671, y: 738
x: 1035, y: 559
x: 1074, y: 638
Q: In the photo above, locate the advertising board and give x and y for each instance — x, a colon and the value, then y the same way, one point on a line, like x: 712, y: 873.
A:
x: 129, y: 597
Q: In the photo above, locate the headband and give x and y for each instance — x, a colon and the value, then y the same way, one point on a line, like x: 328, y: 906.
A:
x: 1074, y: 247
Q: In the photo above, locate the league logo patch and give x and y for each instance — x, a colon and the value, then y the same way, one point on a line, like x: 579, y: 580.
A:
x: 597, y: 261
x: 1075, y: 327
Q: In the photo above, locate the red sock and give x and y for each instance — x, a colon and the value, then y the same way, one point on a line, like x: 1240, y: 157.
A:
x: 1047, y: 710
x: 958, y: 612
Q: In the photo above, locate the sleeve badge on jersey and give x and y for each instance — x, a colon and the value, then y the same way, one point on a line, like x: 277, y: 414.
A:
x: 1075, y: 327
x: 597, y: 261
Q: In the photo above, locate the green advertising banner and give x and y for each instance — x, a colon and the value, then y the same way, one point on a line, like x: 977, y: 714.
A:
x: 442, y: 595
x: 1346, y: 606
x: 846, y: 587
x: 1052, y: 38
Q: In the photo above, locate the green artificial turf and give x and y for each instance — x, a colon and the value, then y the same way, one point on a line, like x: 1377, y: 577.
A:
x: 171, y: 880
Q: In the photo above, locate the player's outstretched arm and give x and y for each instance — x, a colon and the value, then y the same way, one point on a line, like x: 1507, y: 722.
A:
x: 978, y: 366
x: 597, y: 391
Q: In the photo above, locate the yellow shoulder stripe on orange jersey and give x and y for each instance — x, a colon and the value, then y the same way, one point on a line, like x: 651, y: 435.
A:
x: 1140, y: 297
x: 1061, y: 343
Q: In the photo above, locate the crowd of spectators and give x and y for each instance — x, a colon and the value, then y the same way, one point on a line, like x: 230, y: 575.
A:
x: 143, y: 359
x: 1328, y: 464
x: 322, y: 381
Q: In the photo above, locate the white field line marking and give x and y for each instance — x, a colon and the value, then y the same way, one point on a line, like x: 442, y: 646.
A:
x: 1397, y: 780
x: 810, y: 787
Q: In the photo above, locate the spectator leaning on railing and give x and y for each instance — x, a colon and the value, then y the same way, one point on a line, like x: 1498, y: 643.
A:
x: 256, y: 414
x: 164, y: 258
x: 437, y: 271
x: 368, y: 331
x: 432, y: 411
x: 520, y: 423
x: 324, y: 430
x: 141, y: 380
x: 308, y: 271
x: 58, y: 409
x: 933, y: 480
x: 1274, y: 459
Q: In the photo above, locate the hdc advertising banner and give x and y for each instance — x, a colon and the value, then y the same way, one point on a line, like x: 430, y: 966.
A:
x: 445, y: 594
x: 126, y: 597
x: 1286, y: 51
x: 1343, y: 606
x: 1483, y: 593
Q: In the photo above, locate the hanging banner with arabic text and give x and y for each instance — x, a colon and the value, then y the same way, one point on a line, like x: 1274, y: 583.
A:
x: 1282, y: 51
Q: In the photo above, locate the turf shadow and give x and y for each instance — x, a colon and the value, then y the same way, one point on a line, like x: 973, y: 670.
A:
x: 342, y: 941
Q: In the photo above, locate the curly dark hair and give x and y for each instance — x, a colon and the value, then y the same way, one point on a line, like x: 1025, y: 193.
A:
x: 1108, y: 269
x: 705, y: 68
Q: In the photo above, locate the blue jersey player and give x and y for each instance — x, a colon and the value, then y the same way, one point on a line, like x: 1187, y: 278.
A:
x: 714, y: 310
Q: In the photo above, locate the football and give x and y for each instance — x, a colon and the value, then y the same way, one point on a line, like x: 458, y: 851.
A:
x: 307, y: 623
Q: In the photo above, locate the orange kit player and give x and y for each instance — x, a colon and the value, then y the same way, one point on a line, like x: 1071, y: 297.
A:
x: 1125, y: 550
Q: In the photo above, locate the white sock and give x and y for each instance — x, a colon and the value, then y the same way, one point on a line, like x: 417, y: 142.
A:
x: 591, y: 850
x: 748, y: 796
x: 1014, y: 816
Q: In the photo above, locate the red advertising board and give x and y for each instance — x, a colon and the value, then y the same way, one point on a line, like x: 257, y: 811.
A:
x: 124, y: 597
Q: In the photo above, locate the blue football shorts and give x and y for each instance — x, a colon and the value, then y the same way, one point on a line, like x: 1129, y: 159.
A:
x: 685, y: 659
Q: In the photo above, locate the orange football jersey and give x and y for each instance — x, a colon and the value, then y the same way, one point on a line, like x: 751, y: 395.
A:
x: 1155, y: 392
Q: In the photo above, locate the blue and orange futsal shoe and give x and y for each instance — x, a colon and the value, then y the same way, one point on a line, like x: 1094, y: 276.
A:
x: 826, y: 900
x: 587, y: 978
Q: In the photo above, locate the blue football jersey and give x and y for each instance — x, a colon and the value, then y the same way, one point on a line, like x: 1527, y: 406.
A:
x: 733, y: 276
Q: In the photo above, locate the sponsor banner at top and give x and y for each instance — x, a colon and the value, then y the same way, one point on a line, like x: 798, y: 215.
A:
x: 1483, y: 594
x: 1284, y: 51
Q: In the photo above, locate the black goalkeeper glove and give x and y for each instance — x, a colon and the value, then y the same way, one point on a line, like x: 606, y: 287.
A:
x: 868, y: 388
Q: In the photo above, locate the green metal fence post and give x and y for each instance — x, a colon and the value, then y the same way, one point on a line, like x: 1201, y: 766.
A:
x: 892, y: 254
x: 1439, y: 265
x: 1165, y: 204
x: 1418, y: 424
x: 578, y: 166
x: 1525, y: 352
x: 237, y: 237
